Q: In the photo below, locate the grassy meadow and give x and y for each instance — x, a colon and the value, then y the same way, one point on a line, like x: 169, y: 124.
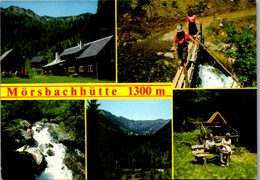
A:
x: 52, y: 79
x: 243, y: 164
x: 41, y: 78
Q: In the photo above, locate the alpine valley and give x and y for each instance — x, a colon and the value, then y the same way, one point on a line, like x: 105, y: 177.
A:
x: 119, y: 148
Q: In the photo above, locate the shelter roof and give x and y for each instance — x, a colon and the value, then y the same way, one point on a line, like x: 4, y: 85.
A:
x: 95, y: 47
x: 5, y: 54
x: 211, y: 119
x: 37, y: 59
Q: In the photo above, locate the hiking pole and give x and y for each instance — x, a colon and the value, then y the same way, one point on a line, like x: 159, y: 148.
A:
x: 221, y: 64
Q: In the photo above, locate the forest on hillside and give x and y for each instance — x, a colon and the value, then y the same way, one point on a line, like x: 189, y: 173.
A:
x: 34, y: 35
x: 114, y: 154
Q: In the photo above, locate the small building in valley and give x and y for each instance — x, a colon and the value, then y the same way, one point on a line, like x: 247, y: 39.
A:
x: 13, y: 61
x: 38, y: 62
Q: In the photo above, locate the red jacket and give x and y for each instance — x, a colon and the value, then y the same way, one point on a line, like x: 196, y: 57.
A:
x: 181, y: 41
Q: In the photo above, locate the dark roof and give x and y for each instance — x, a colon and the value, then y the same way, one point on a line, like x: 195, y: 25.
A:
x: 73, y: 50
x: 95, y: 47
x: 5, y: 54
x: 37, y: 59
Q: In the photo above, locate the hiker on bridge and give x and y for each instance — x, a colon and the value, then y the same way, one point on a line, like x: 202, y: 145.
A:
x: 191, y: 23
x: 181, y: 38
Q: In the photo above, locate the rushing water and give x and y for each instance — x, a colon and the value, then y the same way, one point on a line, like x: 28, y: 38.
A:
x: 214, y: 78
x: 54, y: 154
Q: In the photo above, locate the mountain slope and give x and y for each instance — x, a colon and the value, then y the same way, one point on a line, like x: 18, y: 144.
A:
x: 133, y: 126
x: 115, y: 154
x: 30, y: 33
x: 34, y: 35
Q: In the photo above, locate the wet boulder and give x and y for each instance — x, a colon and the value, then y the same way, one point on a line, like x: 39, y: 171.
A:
x: 50, y: 152
x: 24, y: 123
x: 25, y: 134
x: 18, y: 165
x: 75, y: 160
x: 39, y: 160
x: 21, y: 164
x: 45, y: 146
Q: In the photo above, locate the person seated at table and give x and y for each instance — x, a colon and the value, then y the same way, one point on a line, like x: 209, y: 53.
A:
x: 210, y: 144
x: 226, y: 149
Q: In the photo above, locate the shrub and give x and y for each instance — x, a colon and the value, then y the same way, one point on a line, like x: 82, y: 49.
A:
x: 242, y: 48
x: 174, y: 4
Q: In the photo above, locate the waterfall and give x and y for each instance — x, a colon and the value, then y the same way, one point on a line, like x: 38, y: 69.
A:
x: 54, y: 154
x: 214, y: 78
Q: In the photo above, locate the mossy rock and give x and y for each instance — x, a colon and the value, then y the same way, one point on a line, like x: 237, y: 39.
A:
x: 50, y: 152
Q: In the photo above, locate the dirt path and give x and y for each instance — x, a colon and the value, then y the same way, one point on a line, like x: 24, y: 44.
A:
x: 207, y: 20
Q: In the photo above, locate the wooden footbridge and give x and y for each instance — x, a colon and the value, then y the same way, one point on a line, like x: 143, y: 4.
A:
x: 184, y: 75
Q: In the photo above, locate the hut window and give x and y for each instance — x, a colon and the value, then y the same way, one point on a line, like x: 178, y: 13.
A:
x: 72, y: 69
x: 81, y: 68
x: 90, y: 68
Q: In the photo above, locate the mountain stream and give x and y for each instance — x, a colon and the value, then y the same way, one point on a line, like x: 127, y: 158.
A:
x: 213, y: 78
x: 54, y: 154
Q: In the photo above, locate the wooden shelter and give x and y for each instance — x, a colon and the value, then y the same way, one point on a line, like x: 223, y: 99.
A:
x: 216, y: 119
x: 218, y: 126
x: 38, y: 62
x: 12, y: 61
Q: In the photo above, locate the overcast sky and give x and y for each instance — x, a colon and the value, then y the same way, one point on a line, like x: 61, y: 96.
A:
x: 55, y: 8
x: 138, y: 109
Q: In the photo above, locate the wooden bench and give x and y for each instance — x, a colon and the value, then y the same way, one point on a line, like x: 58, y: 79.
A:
x: 201, y: 155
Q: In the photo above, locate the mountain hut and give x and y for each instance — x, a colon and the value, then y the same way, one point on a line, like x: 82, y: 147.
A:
x: 70, y: 55
x: 12, y: 61
x: 38, y: 62
x: 218, y: 126
x: 98, y: 60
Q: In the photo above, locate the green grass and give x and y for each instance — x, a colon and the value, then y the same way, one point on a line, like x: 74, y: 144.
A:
x: 52, y: 79
x: 41, y: 78
x: 146, y: 174
x: 243, y: 164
